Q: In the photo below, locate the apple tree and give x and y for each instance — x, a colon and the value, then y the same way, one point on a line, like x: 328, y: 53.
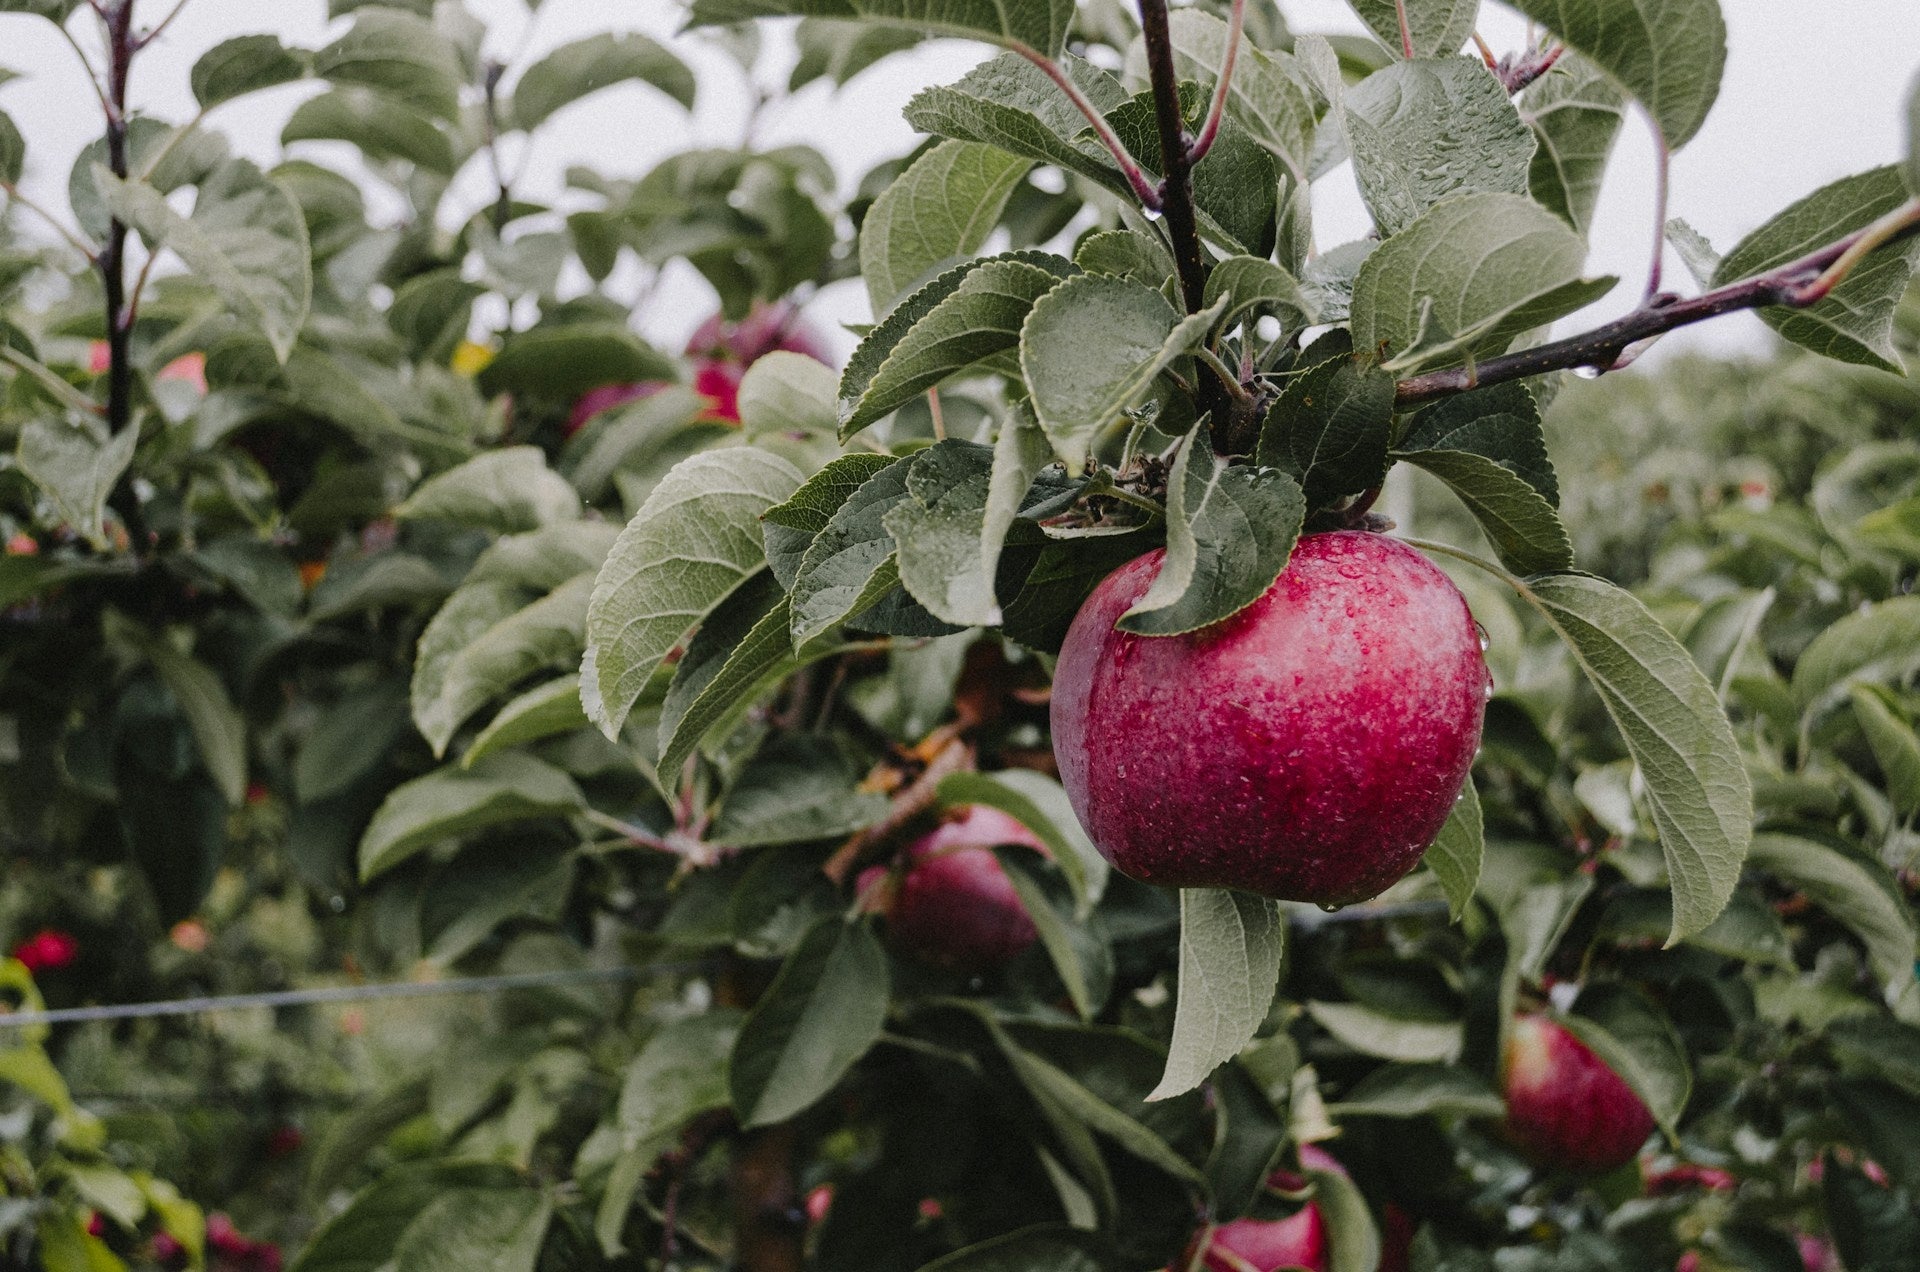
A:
x: 1133, y: 771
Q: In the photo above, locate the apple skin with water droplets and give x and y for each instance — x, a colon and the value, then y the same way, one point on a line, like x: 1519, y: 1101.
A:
x: 1566, y: 1109
x: 1307, y: 748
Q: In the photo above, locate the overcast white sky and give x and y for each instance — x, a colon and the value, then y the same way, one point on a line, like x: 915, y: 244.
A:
x: 1805, y: 100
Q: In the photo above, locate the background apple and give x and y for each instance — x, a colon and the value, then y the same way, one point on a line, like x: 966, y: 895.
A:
x: 721, y: 351
x: 953, y: 905
x: 1566, y: 1110
x: 1308, y: 748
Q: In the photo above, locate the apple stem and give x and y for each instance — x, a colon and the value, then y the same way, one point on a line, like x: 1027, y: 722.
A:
x: 1796, y: 285
x: 1406, y: 29
x: 1236, y: 24
x: 1143, y: 186
x: 1662, y: 174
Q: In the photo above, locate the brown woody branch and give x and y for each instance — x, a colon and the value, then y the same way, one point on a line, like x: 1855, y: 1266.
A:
x: 1797, y: 284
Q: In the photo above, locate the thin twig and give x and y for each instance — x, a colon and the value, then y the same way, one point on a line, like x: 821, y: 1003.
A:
x: 73, y: 240
x: 1486, y: 53
x: 1662, y: 175
x: 1236, y: 23
x: 140, y: 286
x: 1797, y: 284
x: 165, y: 22
x: 1406, y: 29
x: 939, y: 416
x: 633, y: 834
x: 1143, y: 187
x: 93, y: 76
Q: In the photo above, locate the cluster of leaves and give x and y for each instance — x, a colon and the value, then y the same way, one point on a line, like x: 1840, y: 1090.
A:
x: 352, y: 644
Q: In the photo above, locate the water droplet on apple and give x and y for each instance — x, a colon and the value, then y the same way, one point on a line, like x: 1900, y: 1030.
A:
x: 1331, y: 909
x: 1587, y: 373
x: 1480, y: 631
x: 1486, y: 694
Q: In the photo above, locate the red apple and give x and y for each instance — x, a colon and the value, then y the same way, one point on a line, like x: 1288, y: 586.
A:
x: 47, y: 950
x: 1309, y: 747
x: 605, y: 398
x: 1566, y: 1110
x: 722, y: 351
x: 1266, y: 1245
x: 954, y: 906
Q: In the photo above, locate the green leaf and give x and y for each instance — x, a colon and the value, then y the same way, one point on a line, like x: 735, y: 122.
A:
x: 361, y: 1238
x: 938, y: 211
x: 509, y: 491
x: 1236, y: 188
x: 1886, y: 1121
x: 1501, y: 423
x: 52, y: 10
x: 961, y: 500
x: 352, y: 739
x: 450, y: 802
x: 372, y: 121
x: 1080, y: 954
x: 1668, y: 54
x: 1059, y: 1090
x: 1854, y: 889
x: 1855, y: 321
x: 822, y: 1012
x: 246, y: 239
x: 1896, y: 748
x: 1092, y: 347
x: 1455, y: 855
x: 1406, y: 1090
x: 1468, y: 277
x: 1062, y: 578
x: 695, y: 539
x: 681, y: 1071
x: 790, y: 528
x: 1521, y: 525
x: 1625, y: 1029
x: 1231, y: 949
x: 1330, y: 430
x: 1010, y: 103
x: 1575, y: 112
x: 1267, y: 96
x: 543, y: 636
x: 13, y: 151
x: 475, y: 608
x: 219, y: 730
x: 399, y: 55
x: 1048, y: 1247
x: 471, y: 1230
x: 242, y: 65
x: 1437, y: 28
x: 1426, y: 130
x: 785, y: 392
x: 1039, y: 24
x: 838, y: 51
x: 76, y: 466
x: 849, y: 565
x: 1671, y: 720
x: 1874, y: 643
x: 795, y: 790
x: 564, y: 362
x: 1230, y: 532
x: 966, y: 315
x: 397, y: 579
x: 1375, y: 1033
x: 576, y: 70
x: 1255, y: 288
x: 543, y: 711
x: 726, y: 670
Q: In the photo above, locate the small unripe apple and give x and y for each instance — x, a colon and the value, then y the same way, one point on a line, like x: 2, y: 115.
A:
x: 1566, y: 1109
x: 953, y: 905
x: 1307, y: 748
x: 722, y: 351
